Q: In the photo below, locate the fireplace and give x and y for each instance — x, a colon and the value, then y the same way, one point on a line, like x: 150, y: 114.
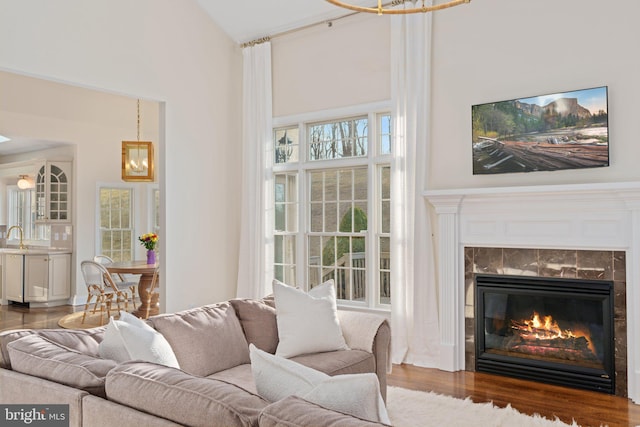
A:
x: 585, y: 231
x: 554, y: 330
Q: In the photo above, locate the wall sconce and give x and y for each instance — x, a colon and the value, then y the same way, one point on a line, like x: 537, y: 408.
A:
x: 137, y: 161
x: 25, y: 183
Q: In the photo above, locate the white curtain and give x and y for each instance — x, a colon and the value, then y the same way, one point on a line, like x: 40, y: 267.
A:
x: 256, y: 244
x: 414, y: 315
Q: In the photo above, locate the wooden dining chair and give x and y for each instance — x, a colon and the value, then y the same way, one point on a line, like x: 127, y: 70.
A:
x: 97, y: 292
x: 121, y: 280
x: 153, y: 290
x: 122, y: 291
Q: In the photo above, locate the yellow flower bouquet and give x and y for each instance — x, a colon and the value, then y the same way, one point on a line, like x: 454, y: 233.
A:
x: 149, y: 241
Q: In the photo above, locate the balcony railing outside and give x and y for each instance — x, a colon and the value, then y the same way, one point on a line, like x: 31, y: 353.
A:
x: 349, y: 275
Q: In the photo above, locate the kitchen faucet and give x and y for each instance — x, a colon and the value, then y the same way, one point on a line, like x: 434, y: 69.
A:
x: 21, y: 234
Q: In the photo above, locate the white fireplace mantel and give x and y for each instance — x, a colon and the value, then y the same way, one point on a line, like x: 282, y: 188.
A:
x: 603, y: 216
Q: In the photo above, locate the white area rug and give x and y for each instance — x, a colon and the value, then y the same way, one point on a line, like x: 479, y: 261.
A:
x: 409, y: 408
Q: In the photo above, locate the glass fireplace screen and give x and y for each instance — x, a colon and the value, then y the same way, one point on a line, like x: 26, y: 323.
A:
x: 554, y: 330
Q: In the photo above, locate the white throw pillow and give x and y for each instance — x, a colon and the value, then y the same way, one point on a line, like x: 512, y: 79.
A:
x: 130, y: 338
x: 277, y: 377
x: 112, y: 346
x: 307, y: 322
x: 355, y: 394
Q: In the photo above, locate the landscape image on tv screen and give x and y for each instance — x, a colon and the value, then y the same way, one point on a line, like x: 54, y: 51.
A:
x: 566, y: 130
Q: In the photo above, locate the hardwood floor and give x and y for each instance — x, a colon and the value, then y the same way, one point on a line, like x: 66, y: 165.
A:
x: 16, y: 317
x: 587, y: 408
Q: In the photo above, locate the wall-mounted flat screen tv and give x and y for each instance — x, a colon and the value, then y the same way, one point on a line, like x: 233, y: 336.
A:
x: 566, y: 130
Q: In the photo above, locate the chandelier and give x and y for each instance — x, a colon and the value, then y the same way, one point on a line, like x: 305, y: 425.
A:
x: 382, y: 9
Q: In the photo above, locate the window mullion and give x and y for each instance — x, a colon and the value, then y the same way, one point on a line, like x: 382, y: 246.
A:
x: 302, y: 252
x: 372, y: 203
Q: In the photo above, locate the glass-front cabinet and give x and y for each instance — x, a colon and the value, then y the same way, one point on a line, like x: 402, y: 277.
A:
x: 53, y: 192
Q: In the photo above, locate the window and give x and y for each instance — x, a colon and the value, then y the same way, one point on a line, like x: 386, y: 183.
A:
x: 286, y: 226
x: 155, y: 210
x: 332, y: 205
x: 21, y: 211
x: 116, y: 223
x: 383, y: 236
x: 337, y: 230
x: 338, y: 139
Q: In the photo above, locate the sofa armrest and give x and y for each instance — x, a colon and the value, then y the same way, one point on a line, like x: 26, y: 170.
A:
x: 371, y: 333
x: 360, y: 329
x: 18, y: 388
x: 382, y: 354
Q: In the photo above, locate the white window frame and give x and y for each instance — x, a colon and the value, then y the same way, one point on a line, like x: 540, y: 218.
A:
x: 372, y: 161
x: 33, y: 232
x: 153, y: 209
x: 119, y: 186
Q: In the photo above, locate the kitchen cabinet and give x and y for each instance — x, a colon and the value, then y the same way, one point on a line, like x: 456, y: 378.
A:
x: 13, y: 272
x: 37, y: 278
x: 53, y: 192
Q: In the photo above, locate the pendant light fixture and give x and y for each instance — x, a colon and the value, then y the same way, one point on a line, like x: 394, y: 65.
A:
x: 137, y: 158
x: 25, y: 183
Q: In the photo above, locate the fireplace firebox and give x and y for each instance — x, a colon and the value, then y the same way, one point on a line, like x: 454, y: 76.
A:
x: 553, y: 330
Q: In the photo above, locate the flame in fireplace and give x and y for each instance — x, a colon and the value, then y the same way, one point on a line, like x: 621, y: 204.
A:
x: 546, y: 328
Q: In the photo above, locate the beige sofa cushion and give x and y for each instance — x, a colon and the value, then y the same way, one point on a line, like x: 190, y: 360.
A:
x: 37, y: 356
x: 240, y: 375
x: 195, y: 336
x: 84, y: 341
x: 294, y: 411
x: 185, y: 399
x: 101, y: 412
x: 5, y: 338
x: 339, y: 362
x: 258, y: 320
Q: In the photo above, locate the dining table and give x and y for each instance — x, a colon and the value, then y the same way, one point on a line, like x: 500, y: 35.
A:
x: 146, y: 272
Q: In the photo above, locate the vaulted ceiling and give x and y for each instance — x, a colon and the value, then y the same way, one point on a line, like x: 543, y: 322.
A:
x: 246, y: 20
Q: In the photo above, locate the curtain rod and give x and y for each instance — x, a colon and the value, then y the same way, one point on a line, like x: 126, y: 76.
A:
x: 327, y: 22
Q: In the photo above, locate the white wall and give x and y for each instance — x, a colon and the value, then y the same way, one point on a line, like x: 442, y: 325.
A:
x: 493, y: 50
x: 487, y: 50
x: 165, y: 51
x: 327, y: 67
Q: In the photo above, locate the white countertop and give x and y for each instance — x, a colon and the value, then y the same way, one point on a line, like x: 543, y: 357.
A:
x: 34, y: 251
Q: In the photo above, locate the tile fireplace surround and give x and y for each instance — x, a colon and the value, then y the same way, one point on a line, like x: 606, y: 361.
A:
x: 578, y: 264
x: 600, y: 221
